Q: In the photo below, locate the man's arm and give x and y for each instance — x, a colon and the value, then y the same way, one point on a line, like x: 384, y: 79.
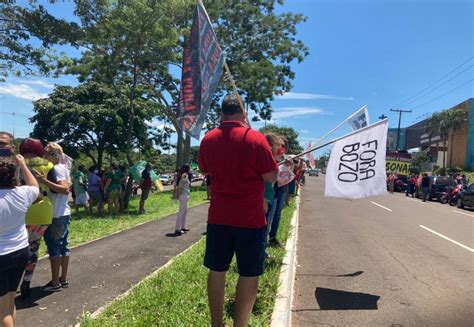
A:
x: 270, y: 177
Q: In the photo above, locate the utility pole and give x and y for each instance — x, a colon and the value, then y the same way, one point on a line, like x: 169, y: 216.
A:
x: 400, y: 111
x: 382, y: 117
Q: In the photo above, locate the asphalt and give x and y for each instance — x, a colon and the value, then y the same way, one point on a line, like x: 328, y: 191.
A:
x: 104, y: 269
x: 360, y: 264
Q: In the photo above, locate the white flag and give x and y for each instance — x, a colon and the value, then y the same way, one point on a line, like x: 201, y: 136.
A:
x: 359, y: 119
x: 356, y: 168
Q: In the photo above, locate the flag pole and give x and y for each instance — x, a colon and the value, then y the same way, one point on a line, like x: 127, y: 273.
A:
x: 231, y: 79
x: 317, y: 147
x: 236, y: 92
x: 337, y: 127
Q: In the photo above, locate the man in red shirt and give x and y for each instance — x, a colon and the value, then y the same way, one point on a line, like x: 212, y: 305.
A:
x: 239, y: 161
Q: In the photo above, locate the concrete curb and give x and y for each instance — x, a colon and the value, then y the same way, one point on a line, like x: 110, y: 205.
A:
x: 97, y: 312
x: 282, y: 310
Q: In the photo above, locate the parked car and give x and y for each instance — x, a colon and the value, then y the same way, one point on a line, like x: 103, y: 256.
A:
x: 166, y: 179
x: 466, y: 198
x: 313, y: 172
x: 438, y: 187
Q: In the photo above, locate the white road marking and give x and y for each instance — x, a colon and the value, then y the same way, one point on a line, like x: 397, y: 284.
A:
x: 447, y: 238
x: 463, y: 213
x: 381, y: 206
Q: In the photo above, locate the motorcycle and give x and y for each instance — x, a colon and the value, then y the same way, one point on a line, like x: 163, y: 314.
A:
x: 451, y: 195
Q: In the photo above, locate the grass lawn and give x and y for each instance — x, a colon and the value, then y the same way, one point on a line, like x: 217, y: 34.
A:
x: 85, y: 228
x: 177, y: 295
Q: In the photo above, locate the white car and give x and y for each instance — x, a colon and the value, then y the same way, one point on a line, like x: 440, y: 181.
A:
x: 166, y: 179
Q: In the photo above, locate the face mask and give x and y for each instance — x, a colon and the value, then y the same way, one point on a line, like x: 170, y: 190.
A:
x: 281, y: 151
x: 5, y: 152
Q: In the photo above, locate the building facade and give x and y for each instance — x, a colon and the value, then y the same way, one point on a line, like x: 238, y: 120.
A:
x: 456, y: 151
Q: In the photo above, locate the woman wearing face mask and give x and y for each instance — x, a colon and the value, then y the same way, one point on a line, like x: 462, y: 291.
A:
x: 39, y: 216
x: 280, y: 198
x: 277, y: 144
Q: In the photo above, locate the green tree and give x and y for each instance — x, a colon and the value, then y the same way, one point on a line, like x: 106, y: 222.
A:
x: 89, y: 119
x: 140, y: 43
x: 454, y: 119
x: 290, y: 135
x: 444, y: 122
x: 27, y: 34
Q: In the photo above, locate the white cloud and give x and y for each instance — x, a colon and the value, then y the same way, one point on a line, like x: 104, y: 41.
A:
x: 311, y: 96
x: 40, y: 83
x: 291, y: 112
x: 304, y: 131
x: 22, y: 91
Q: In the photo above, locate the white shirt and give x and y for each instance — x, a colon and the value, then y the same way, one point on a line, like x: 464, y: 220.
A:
x: 60, y: 201
x: 13, y: 206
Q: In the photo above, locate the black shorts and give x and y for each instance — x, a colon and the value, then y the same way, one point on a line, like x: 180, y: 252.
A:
x: 12, y: 266
x: 248, y: 244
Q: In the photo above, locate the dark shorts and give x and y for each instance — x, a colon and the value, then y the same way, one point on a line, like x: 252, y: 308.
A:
x: 12, y: 266
x: 248, y: 244
x: 57, y: 237
x: 145, y: 193
x: 95, y: 196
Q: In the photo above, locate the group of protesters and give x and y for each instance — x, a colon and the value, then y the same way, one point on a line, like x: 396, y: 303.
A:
x: 251, y: 181
x: 421, y: 183
x: 35, y: 185
x: 38, y: 208
x: 246, y: 202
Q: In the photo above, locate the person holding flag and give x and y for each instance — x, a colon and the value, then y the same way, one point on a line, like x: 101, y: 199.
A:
x: 240, y: 161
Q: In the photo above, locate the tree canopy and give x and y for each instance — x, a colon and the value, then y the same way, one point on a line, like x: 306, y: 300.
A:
x: 26, y: 37
x: 90, y: 119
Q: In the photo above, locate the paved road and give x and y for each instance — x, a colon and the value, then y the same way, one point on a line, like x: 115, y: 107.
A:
x: 370, y: 263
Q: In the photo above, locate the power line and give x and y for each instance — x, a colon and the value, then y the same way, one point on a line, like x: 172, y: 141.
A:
x: 442, y: 95
x: 437, y: 87
x: 434, y: 83
x: 13, y: 114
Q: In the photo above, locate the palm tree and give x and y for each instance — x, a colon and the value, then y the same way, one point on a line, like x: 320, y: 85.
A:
x: 433, y: 127
x: 453, y: 120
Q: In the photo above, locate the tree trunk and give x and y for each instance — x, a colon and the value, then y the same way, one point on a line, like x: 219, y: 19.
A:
x: 444, y: 153
x: 100, y: 158
x: 179, y: 150
x: 186, y: 149
x: 451, y: 145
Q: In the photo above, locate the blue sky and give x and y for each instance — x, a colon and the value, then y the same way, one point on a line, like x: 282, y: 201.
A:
x: 374, y: 52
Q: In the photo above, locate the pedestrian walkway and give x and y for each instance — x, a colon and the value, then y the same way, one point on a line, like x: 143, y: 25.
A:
x: 102, y: 270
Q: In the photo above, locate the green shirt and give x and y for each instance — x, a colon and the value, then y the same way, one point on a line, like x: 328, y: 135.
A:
x: 116, y: 180
x: 79, y: 182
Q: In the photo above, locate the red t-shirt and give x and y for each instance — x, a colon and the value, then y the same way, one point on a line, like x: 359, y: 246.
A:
x: 236, y: 157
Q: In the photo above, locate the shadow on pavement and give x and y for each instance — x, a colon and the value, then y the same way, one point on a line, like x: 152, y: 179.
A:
x: 29, y: 302
x: 354, y: 274
x: 329, y: 299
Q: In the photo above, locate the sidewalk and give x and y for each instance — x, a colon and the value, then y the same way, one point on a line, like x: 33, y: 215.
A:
x: 102, y: 270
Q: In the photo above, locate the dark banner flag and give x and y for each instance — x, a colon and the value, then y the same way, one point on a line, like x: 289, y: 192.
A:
x: 202, y: 69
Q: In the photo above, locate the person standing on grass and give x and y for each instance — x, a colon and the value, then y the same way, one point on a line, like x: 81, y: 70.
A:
x: 113, y: 188
x: 79, y: 183
x: 57, y: 235
x: 39, y: 216
x: 208, y: 187
x: 182, y: 193
x: 14, y: 202
x: 277, y: 145
x: 240, y: 161
x: 94, y: 190
x: 145, y: 185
